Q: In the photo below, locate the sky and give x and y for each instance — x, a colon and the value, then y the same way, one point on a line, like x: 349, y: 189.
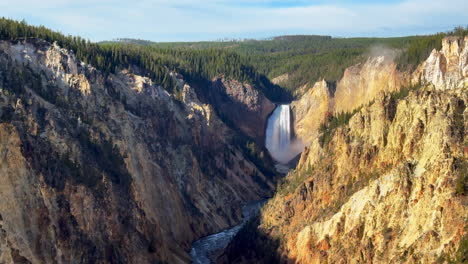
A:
x: 196, y: 20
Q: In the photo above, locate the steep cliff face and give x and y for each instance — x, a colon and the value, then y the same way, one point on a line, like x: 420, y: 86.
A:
x: 240, y: 104
x: 310, y: 111
x: 385, y: 189
x: 99, y: 169
x: 447, y: 68
x: 390, y: 184
x: 359, y: 85
x: 363, y: 82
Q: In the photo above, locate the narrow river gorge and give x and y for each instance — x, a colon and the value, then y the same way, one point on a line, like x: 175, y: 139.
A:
x: 204, y: 247
x: 283, y: 147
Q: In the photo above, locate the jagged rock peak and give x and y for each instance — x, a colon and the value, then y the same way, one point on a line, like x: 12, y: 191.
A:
x: 447, y: 68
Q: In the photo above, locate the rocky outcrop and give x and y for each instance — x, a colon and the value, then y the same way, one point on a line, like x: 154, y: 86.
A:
x: 241, y: 105
x: 447, y: 68
x: 111, y: 169
x: 310, y: 111
x: 384, y: 190
x: 389, y: 186
x: 281, y: 79
x: 359, y: 85
x: 362, y: 83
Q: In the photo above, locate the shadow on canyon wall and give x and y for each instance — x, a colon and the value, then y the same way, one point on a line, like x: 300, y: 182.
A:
x: 253, y: 245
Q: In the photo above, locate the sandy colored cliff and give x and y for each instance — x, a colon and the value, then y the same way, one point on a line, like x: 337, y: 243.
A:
x: 389, y: 186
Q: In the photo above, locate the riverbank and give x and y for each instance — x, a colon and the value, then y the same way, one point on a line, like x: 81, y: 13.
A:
x: 203, y: 248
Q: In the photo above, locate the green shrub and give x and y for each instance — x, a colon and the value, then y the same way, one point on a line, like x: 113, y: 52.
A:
x: 403, y: 92
x: 327, y: 128
x: 461, y: 256
x: 462, y: 253
x: 105, y: 156
x: 461, y: 183
x: 291, y: 182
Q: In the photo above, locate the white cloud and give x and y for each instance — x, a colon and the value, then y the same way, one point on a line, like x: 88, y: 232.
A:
x: 190, y: 19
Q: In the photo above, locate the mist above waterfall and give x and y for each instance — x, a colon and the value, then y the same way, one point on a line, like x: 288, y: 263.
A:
x: 280, y: 140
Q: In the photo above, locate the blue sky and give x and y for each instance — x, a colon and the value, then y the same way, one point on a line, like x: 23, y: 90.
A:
x: 194, y: 20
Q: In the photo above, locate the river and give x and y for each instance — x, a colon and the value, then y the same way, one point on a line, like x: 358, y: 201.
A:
x: 283, y: 147
x: 201, y: 249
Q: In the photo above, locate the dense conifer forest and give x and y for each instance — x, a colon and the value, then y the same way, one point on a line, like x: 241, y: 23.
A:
x: 198, y: 66
x: 305, y: 58
x: 308, y: 58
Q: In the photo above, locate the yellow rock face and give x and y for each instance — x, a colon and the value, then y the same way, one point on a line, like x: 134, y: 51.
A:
x: 386, y: 187
x: 360, y: 84
x: 363, y: 82
x: 310, y: 111
x: 383, y: 190
x: 79, y: 81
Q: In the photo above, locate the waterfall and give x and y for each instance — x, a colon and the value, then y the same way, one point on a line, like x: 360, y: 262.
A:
x: 279, y: 139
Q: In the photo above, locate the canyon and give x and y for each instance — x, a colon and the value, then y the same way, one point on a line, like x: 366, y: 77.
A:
x: 388, y: 184
x: 112, y: 167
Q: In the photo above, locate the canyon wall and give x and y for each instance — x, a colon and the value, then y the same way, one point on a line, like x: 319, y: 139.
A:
x: 111, y: 168
x: 447, y: 68
x: 385, y: 189
x: 359, y: 85
x: 389, y: 185
x: 241, y: 105
x: 362, y: 83
x: 311, y: 109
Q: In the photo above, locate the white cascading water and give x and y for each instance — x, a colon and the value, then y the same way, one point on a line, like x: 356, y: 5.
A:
x: 279, y: 140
